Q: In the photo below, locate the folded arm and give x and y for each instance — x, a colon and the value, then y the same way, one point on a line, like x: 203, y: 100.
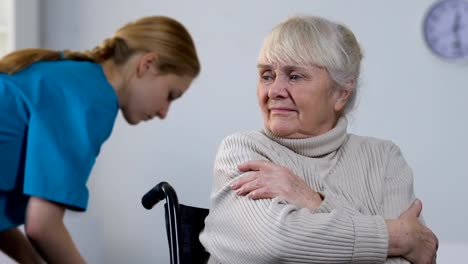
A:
x: 332, y: 225
x: 242, y: 230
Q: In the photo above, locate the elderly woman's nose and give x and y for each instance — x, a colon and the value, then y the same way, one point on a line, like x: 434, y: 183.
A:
x: 278, y: 89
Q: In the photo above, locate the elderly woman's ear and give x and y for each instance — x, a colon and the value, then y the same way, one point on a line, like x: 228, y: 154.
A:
x: 343, y: 95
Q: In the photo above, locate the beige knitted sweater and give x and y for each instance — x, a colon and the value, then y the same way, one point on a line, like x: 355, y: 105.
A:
x: 364, y: 181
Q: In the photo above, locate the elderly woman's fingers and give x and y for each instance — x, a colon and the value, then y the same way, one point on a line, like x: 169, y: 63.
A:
x: 262, y: 193
x: 251, y: 182
x: 255, y: 165
x: 254, y: 170
x: 245, y: 178
x: 414, y: 238
x: 265, y: 179
x: 413, y: 211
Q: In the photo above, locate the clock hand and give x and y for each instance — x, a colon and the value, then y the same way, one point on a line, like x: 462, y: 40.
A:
x: 456, y: 23
x: 456, y: 30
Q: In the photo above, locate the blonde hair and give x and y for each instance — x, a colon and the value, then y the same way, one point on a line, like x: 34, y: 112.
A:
x: 312, y: 40
x: 162, y: 35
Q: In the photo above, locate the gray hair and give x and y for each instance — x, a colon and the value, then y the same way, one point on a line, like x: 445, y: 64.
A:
x: 312, y: 40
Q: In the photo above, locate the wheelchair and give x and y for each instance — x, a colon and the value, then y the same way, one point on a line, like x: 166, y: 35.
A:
x: 183, y: 225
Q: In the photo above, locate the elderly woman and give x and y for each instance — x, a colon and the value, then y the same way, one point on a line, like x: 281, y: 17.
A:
x: 303, y: 190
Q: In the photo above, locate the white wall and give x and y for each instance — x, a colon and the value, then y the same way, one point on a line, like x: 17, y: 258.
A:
x: 26, y: 24
x: 408, y: 96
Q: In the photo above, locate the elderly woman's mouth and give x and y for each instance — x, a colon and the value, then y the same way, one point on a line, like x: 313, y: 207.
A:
x: 281, y: 110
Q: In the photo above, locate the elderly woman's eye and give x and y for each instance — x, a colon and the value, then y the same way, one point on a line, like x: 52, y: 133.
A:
x: 266, y: 76
x: 295, y: 77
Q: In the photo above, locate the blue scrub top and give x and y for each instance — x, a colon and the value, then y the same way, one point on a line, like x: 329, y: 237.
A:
x: 54, y: 117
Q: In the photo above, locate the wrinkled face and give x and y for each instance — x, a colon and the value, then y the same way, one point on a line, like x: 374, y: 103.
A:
x: 149, y: 94
x: 298, y: 101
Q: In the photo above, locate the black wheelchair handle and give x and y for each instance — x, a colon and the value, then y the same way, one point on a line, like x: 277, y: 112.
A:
x: 164, y: 190
x: 158, y: 193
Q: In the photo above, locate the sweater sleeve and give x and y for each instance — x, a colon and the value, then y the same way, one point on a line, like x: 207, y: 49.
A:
x: 398, y: 191
x: 241, y: 230
x: 398, y: 187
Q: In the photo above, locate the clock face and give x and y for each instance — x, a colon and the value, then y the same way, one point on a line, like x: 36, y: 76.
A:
x: 446, y: 29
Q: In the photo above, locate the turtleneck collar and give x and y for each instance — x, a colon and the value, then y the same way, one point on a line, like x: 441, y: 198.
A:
x: 315, y: 146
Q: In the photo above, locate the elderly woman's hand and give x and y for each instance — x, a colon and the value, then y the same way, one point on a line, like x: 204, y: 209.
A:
x: 409, y: 238
x: 268, y: 180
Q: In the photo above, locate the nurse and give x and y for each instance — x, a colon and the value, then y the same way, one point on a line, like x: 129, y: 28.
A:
x: 56, y: 110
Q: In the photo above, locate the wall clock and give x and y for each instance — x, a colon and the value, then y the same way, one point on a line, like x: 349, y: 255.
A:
x: 445, y: 29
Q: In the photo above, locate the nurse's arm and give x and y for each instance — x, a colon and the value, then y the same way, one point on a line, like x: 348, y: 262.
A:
x: 45, y: 228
